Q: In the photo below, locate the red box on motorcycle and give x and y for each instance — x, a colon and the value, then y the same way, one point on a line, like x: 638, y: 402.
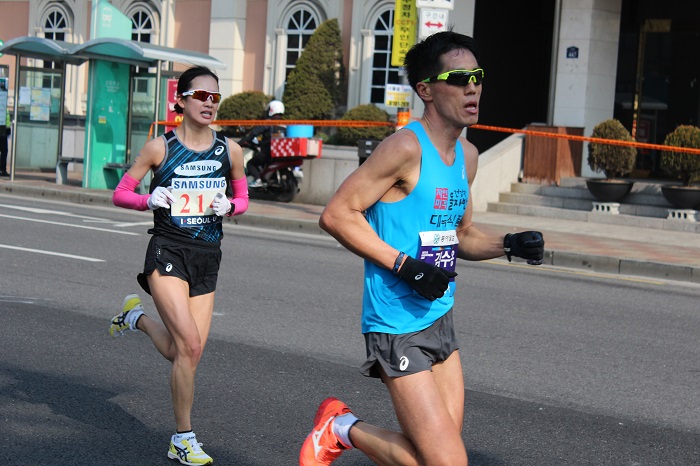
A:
x: 295, y: 147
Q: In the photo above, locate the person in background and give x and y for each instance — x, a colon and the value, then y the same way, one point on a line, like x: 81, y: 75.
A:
x: 407, y: 211
x: 263, y: 136
x: 198, y: 178
x: 5, y: 129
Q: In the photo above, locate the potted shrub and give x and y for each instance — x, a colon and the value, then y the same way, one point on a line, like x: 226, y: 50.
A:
x: 611, y: 159
x: 682, y: 166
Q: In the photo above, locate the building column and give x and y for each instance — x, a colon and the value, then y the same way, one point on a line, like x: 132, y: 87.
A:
x: 167, y: 23
x: 586, y: 65
x: 226, y: 42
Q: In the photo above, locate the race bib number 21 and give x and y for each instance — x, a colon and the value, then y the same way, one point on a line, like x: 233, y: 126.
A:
x: 193, y: 198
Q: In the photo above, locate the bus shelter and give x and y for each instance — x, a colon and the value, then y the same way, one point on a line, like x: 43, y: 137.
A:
x: 125, y: 96
x: 39, y: 127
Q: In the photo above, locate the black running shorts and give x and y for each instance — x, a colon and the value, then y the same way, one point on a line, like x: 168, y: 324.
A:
x: 410, y: 353
x: 197, y: 264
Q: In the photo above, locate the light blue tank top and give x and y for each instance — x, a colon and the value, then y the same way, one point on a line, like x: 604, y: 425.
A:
x: 422, y: 225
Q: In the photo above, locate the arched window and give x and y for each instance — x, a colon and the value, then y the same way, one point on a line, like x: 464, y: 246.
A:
x: 143, y: 29
x: 55, y: 26
x: 143, y: 25
x: 382, y: 71
x: 300, y: 27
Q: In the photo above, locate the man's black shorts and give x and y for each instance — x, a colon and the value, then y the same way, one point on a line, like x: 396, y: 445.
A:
x: 410, y: 353
x: 197, y: 264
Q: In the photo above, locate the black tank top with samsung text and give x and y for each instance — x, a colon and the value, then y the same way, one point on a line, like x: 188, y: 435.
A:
x: 195, y: 179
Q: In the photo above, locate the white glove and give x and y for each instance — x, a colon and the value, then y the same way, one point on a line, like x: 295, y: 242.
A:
x: 160, y: 197
x: 221, y: 205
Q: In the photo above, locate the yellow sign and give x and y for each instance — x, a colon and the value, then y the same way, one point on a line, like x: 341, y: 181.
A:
x: 397, y: 95
x: 405, y: 19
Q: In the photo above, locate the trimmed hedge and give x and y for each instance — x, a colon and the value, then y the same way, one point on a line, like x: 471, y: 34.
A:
x: 367, y: 112
x: 249, y: 105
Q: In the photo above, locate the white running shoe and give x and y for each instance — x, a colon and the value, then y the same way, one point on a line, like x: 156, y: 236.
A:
x: 187, y: 450
x: 132, y: 309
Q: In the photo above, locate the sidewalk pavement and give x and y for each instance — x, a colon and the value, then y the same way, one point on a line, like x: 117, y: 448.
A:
x: 604, y: 248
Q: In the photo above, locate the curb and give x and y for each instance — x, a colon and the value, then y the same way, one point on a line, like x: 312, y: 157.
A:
x: 278, y: 223
x: 594, y: 263
x: 75, y: 196
x: 622, y: 266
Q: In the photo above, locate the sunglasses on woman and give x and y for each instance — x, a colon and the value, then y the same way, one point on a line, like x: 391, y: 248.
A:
x: 459, y: 77
x: 201, y: 94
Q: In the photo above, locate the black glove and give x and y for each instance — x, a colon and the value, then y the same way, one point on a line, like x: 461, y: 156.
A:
x: 429, y: 281
x: 528, y: 245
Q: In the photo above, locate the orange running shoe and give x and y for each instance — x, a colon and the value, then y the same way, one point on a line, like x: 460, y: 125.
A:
x: 321, y: 446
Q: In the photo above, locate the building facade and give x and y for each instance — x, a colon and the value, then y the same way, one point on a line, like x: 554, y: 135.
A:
x: 558, y: 62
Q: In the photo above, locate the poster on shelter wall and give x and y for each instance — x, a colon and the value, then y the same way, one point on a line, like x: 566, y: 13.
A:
x: 41, y: 96
x: 40, y: 106
x: 39, y: 113
x: 170, y: 114
x: 25, y: 96
x: 3, y: 100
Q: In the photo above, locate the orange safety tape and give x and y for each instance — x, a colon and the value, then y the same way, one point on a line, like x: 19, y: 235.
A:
x: 322, y: 123
x: 361, y: 123
x: 573, y: 137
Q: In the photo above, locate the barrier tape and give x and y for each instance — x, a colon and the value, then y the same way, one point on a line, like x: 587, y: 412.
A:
x: 347, y: 123
x: 361, y: 123
x: 344, y: 123
x: 573, y: 137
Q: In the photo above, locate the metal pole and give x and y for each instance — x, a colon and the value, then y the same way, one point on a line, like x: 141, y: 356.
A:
x: 59, y: 149
x: 89, y: 114
x: 158, y: 77
x: 13, y: 123
x: 129, y: 113
x: 639, y: 79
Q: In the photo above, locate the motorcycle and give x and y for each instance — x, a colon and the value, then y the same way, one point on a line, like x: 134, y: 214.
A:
x: 280, y: 178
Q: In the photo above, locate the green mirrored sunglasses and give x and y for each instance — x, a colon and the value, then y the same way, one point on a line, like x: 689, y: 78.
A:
x: 459, y: 77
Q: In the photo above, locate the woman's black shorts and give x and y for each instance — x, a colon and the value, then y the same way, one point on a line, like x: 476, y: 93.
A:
x: 196, y: 264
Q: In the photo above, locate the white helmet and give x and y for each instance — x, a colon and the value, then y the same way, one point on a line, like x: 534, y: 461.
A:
x: 275, y: 107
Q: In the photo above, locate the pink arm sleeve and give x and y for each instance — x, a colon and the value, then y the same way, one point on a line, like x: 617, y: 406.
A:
x: 240, y: 196
x: 125, y: 195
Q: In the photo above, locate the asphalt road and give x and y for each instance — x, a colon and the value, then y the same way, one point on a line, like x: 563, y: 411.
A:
x: 561, y: 367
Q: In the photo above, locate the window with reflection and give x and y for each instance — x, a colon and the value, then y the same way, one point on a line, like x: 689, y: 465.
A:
x: 300, y: 27
x: 142, y: 25
x: 382, y: 71
x: 143, y: 29
x: 55, y: 27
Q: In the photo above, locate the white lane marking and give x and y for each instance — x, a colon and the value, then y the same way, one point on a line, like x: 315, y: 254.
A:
x: 71, y: 225
x: 133, y: 224
x: 51, y: 253
x: 18, y: 299
x: 35, y: 210
x: 85, y: 218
